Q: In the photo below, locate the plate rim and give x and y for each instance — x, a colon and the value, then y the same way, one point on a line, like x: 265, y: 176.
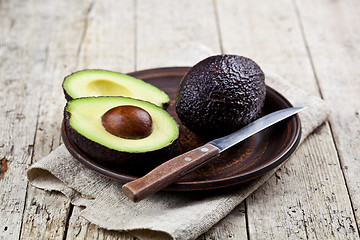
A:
x: 189, y: 185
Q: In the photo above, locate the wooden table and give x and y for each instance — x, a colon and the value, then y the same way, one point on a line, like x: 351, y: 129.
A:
x: 313, y: 44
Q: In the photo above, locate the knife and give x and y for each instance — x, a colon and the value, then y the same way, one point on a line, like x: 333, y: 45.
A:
x: 175, y: 168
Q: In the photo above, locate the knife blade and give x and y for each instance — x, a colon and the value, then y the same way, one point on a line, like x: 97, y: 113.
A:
x: 230, y: 140
x: 175, y: 168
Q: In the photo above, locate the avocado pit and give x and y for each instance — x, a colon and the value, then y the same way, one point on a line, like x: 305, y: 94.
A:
x: 130, y: 122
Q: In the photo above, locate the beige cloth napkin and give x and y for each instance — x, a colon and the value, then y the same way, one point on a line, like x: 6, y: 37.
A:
x: 177, y: 215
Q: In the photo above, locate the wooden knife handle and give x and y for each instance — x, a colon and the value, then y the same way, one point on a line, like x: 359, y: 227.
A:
x: 168, y: 172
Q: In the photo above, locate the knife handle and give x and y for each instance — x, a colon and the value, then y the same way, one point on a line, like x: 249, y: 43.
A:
x: 168, y: 172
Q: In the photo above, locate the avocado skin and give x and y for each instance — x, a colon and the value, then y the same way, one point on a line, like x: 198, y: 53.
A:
x: 220, y: 94
x: 67, y: 96
x: 125, y: 162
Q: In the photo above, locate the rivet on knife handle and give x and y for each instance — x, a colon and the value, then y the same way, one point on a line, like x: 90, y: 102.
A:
x: 168, y: 172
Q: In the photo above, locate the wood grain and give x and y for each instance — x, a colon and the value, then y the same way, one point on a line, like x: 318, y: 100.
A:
x: 24, y: 54
x: 79, y: 228
x: 232, y: 226
x: 178, y: 35
x: 311, y: 204
x: 268, y: 34
x: 108, y: 36
x: 336, y: 65
x: 45, y: 213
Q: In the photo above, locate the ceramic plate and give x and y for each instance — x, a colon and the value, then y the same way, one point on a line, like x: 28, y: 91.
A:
x: 247, y: 160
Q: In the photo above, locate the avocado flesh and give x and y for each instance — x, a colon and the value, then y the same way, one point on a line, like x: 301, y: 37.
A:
x: 85, y: 129
x: 88, y: 83
x: 220, y: 94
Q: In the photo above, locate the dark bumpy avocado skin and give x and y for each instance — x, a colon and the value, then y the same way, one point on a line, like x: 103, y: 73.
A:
x: 136, y: 164
x: 220, y: 94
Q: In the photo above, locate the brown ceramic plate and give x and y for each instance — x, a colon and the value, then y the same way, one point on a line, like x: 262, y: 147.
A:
x: 243, y: 162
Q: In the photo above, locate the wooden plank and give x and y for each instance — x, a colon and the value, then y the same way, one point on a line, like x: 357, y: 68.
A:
x: 232, y: 226
x: 268, y: 34
x: 108, y: 37
x: 307, y: 204
x: 45, y: 213
x: 272, y: 36
x: 332, y: 33
x: 173, y: 33
x: 79, y: 228
x: 107, y: 43
x: 22, y: 66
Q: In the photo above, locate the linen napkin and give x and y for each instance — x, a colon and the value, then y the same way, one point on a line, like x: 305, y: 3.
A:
x: 165, y: 215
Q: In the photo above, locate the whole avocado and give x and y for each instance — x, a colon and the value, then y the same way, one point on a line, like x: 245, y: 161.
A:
x: 220, y: 94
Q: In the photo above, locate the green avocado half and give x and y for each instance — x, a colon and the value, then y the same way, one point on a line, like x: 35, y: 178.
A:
x: 92, y: 82
x: 84, y: 126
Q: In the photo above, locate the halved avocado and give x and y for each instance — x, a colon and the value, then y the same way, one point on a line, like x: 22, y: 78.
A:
x: 84, y: 126
x: 92, y: 83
